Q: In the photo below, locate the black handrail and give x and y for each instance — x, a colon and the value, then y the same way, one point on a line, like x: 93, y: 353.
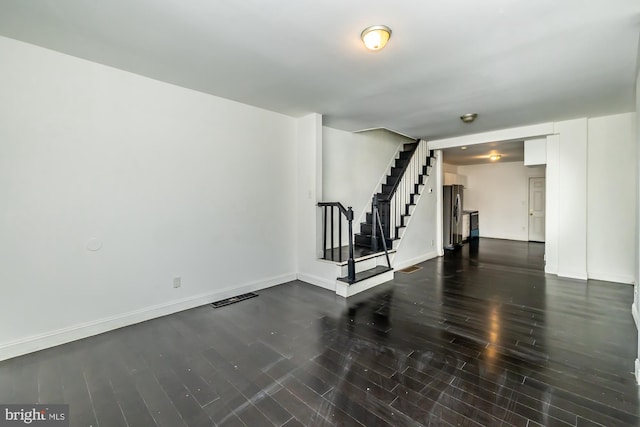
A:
x: 348, y: 213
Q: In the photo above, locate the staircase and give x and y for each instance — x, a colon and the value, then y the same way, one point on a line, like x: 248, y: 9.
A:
x: 394, y: 181
x: 365, y: 262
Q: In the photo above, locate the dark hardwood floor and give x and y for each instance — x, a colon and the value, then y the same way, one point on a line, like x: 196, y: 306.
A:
x: 478, y: 337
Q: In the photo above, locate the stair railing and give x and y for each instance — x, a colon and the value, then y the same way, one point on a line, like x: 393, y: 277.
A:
x: 376, y: 220
x: 329, y: 213
x: 394, y: 209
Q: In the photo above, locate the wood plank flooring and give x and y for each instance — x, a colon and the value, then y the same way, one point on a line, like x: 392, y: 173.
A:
x: 480, y: 337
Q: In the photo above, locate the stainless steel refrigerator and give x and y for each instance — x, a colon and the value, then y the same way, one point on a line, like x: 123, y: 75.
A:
x: 452, y: 216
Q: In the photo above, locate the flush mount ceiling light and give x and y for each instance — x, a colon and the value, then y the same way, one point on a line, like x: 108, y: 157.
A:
x: 376, y: 37
x: 469, y: 117
x: 463, y: 148
x: 495, y: 157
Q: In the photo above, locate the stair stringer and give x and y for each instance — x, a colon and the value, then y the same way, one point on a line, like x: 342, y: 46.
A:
x: 400, y: 258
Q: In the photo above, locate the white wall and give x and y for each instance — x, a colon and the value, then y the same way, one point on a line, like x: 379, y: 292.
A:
x: 354, y: 164
x: 551, y: 204
x: 168, y: 181
x: 308, y: 216
x: 449, y: 168
x: 636, y: 292
x: 572, y: 201
x: 500, y: 193
x: 611, y: 198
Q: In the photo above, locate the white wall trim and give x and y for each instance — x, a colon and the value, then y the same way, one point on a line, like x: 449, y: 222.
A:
x: 416, y: 260
x: 634, y: 313
x: 580, y: 275
x: 88, y: 329
x: 517, y: 237
x: 542, y: 129
x: 637, y: 371
x: 317, y: 281
x: 608, y: 277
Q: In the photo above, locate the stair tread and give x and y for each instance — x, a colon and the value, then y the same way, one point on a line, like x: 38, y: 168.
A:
x: 367, y: 274
x: 360, y: 253
x: 369, y: 235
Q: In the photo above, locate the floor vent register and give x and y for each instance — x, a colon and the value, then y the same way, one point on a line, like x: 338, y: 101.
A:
x: 233, y: 300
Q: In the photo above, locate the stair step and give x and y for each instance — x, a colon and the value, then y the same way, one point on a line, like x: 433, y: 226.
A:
x: 387, y: 188
x: 396, y: 171
x: 392, y: 179
x: 409, y: 146
x: 369, y: 215
x: 401, y: 162
x: 365, y: 228
x: 364, y: 240
x: 366, y: 274
x: 405, y: 155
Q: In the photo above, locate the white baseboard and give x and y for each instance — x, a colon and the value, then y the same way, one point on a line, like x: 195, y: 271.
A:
x: 608, y: 277
x: 88, y: 329
x: 415, y: 260
x: 634, y: 313
x: 317, y: 281
x: 637, y: 371
x: 516, y: 237
x: 580, y: 275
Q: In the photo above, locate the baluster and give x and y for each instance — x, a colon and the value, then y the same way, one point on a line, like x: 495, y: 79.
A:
x: 351, y: 264
x: 340, y: 237
x: 332, y: 215
x: 324, y: 229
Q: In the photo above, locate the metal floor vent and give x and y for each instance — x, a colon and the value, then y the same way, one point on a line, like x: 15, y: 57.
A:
x: 411, y: 269
x: 233, y: 300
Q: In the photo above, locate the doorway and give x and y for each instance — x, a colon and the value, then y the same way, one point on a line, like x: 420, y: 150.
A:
x: 536, y: 209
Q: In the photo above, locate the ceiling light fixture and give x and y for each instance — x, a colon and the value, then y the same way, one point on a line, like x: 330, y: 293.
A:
x: 495, y: 157
x: 376, y: 37
x: 463, y: 148
x: 469, y: 117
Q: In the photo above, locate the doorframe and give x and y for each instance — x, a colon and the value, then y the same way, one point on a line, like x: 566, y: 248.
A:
x: 513, y: 134
x: 529, y: 208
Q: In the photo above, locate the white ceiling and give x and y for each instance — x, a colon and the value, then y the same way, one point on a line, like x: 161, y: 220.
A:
x: 510, y: 151
x: 514, y: 62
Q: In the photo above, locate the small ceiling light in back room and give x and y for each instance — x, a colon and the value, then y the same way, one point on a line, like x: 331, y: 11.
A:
x: 375, y: 38
x: 469, y: 117
x: 495, y: 157
x: 463, y: 148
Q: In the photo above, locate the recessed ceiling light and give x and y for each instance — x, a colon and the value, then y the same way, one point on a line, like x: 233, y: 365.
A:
x: 495, y: 157
x: 469, y: 117
x: 376, y: 37
x: 463, y: 148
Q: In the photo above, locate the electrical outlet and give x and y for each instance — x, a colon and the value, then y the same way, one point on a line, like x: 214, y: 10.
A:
x: 177, y: 282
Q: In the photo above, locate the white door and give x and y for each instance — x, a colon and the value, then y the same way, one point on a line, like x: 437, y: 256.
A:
x: 536, y: 209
